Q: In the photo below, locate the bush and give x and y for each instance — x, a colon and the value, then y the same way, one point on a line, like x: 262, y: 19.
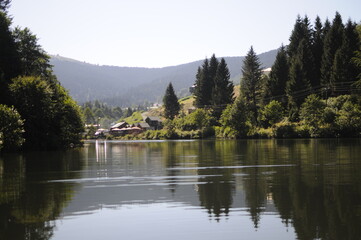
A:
x: 235, y: 119
x: 11, y: 128
x: 312, y: 111
x: 272, y: 113
x: 265, y: 133
x: 349, y: 119
x: 284, y: 129
x: 198, y: 120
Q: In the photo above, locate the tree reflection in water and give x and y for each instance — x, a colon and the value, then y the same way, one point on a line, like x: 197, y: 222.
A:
x: 313, y: 186
x: 28, y: 208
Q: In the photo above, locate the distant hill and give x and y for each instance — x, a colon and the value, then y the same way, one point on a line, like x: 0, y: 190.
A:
x: 125, y: 86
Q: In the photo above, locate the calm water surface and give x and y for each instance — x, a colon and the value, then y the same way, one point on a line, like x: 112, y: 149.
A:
x: 251, y: 189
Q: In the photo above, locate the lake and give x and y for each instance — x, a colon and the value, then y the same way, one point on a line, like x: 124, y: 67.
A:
x: 210, y: 189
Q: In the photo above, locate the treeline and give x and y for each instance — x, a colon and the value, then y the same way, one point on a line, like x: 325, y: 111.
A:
x: 36, y: 112
x: 101, y: 113
x: 313, y: 89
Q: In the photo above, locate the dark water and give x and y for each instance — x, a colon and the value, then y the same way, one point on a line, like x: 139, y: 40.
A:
x: 254, y: 189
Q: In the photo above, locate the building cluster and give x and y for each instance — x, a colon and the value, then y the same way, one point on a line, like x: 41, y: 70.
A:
x: 123, y: 128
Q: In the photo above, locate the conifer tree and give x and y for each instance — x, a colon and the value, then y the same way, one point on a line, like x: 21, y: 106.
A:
x: 276, y: 85
x: 170, y: 102
x: 326, y: 28
x: 296, y: 36
x: 213, y: 66
x: 298, y: 86
x: 203, y: 86
x: 223, y: 89
x: 352, y: 43
x: 251, y: 83
x: 317, y: 51
x: 332, y: 43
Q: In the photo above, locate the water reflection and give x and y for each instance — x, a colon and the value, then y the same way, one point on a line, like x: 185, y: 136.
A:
x: 311, y: 188
x: 28, y: 206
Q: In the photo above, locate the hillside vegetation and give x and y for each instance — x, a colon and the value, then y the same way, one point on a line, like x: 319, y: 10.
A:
x: 125, y: 86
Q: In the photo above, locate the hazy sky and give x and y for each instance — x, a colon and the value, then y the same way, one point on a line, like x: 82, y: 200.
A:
x: 158, y: 33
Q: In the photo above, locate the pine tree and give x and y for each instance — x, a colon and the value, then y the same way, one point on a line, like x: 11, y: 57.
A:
x: 203, y: 86
x: 352, y: 43
x: 296, y: 36
x: 170, y: 102
x: 298, y: 86
x: 276, y: 85
x: 317, y: 50
x: 332, y: 43
x: 223, y: 89
x: 213, y: 66
x: 251, y: 83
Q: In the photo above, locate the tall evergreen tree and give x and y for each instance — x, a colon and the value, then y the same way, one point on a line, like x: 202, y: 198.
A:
x: 317, y: 50
x: 203, y: 86
x: 223, y: 89
x: 276, y: 85
x: 251, y: 83
x: 213, y: 66
x: 301, y: 48
x: 298, y: 86
x: 332, y: 43
x: 352, y: 43
x: 170, y: 102
x: 296, y: 36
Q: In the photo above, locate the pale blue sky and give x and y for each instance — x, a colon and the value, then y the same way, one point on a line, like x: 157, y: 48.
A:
x: 158, y: 33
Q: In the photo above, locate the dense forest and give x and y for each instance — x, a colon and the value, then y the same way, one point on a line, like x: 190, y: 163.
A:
x: 313, y: 89
x: 36, y: 112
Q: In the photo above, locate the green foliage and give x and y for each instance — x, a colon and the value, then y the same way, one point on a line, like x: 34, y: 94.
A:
x: 136, y: 117
x: 332, y: 43
x: 11, y: 128
x: 58, y: 120
x: 223, y: 89
x: 100, y: 113
x: 284, y: 129
x: 34, y: 60
x: 235, y: 118
x: 170, y: 103
x: 251, y: 84
x: 198, y: 120
x: 203, y: 86
x: 213, y: 88
x: 52, y: 120
x: 9, y: 60
x: 272, y: 113
x: 276, y: 84
x: 349, y: 119
x: 312, y: 110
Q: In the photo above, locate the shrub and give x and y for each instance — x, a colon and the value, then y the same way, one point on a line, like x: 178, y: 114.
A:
x: 284, y: 129
x: 312, y: 111
x: 272, y: 113
x: 11, y: 128
x: 235, y: 119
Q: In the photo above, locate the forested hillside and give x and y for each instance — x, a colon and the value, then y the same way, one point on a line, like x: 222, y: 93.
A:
x: 125, y: 86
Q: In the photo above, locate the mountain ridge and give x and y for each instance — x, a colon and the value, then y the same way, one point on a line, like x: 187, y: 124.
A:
x: 126, y: 86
